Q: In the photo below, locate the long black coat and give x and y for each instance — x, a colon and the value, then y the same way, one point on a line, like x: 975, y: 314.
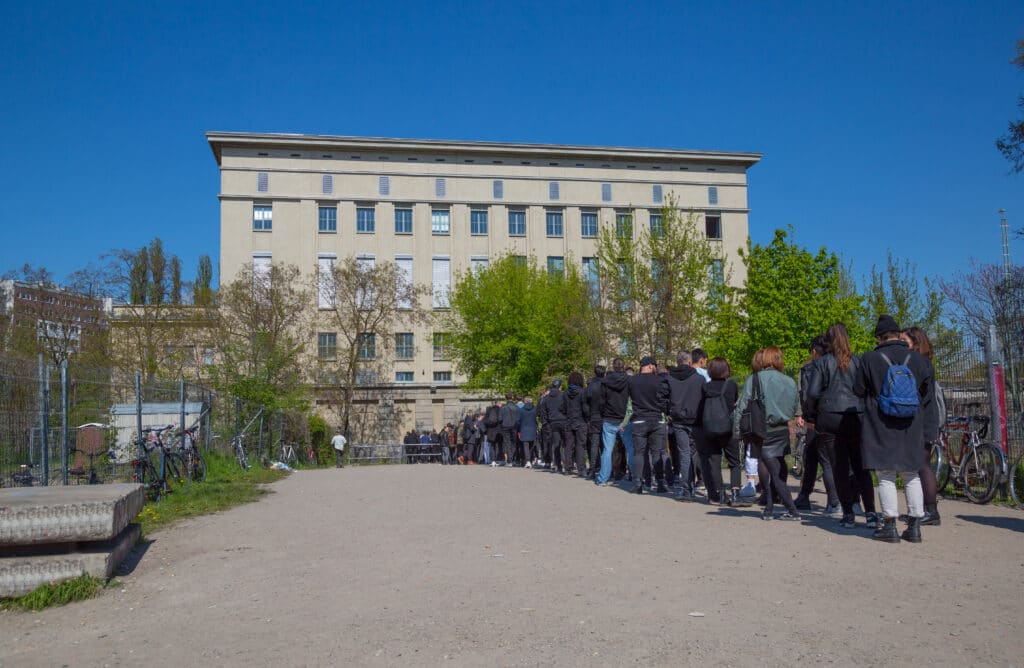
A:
x: 893, y: 444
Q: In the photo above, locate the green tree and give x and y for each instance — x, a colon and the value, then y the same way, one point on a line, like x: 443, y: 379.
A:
x: 791, y: 295
x: 363, y: 304
x: 660, y: 287
x: 1011, y: 144
x: 157, y: 288
x: 514, y: 325
x: 262, y: 338
x: 175, y: 280
x: 202, y: 293
x: 138, y: 274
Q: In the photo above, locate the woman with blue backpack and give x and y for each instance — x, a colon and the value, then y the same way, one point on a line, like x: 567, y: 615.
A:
x: 716, y: 436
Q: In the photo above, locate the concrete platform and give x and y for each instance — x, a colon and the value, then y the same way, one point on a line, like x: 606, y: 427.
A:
x: 38, y: 515
x: 21, y: 574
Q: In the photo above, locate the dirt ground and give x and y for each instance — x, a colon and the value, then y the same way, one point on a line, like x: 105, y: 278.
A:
x: 474, y: 566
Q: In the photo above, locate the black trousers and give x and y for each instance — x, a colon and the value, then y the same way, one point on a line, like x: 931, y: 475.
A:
x: 595, y: 449
x: 820, y: 449
x: 852, y: 479
x: 556, y: 437
x: 648, y: 448
x: 710, y: 451
x: 576, y: 446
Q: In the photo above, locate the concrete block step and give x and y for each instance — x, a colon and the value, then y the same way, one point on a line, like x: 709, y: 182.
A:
x: 41, y: 515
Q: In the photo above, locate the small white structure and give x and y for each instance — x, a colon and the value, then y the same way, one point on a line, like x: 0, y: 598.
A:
x: 124, y: 422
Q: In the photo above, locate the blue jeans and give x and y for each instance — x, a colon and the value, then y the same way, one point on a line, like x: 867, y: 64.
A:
x: 608, y: 432
x: 487, y: 452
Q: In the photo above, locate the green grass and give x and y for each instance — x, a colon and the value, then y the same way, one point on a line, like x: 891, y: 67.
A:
x: 226, y: 485
x: 50, y: 595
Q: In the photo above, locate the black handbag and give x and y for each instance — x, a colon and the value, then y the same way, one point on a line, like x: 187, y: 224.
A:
x: 753, y: 419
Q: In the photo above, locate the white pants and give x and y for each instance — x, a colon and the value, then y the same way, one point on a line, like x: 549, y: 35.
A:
x: 911, y: 487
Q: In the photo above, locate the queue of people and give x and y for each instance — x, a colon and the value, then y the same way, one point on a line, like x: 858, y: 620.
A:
x: 662, y: 428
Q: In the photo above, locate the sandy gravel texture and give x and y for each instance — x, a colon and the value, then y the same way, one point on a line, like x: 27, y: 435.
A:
x: 474, y: 566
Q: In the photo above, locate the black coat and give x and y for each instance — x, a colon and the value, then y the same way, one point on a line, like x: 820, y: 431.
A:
x: 686, y: 389
x: 575, y: 408
x: 614, y: 397
x: 888, y: 443
x: 593, y: 398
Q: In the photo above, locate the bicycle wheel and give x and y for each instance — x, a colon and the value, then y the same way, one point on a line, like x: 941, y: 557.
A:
x: 981, y: 473
x: 940, y: 457
x: 240, y: 455
x: 198, y: 467
x: 1016, y: 483
x: 174, y: 467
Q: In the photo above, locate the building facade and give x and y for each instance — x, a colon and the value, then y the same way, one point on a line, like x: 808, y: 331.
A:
x: 438, y: 208
x: 48, y: 318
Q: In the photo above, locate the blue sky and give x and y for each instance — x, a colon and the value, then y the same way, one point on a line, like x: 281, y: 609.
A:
x: 876, y: 120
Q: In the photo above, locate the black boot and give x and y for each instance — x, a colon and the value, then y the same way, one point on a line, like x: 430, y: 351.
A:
x: 662, y: 489
x: 913, y: 531
x: 931, y: 516
x: 724, y: 499
x: 886, y: 531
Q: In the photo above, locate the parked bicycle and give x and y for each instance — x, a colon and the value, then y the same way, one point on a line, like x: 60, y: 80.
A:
x: 195, y: 465
x: 91, y: 474
x: 25, y: 477
x: 974, y: 463
x: 239, y: 450
x: 156, y: 477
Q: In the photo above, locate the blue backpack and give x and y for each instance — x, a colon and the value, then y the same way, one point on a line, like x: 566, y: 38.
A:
x: 898, y: 397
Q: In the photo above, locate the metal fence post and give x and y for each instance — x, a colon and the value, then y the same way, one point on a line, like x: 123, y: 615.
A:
x: 64, y: 420
x: 259, y: 443
x: 138, y: 415
x: 44, y: 424
x: 182, y: 427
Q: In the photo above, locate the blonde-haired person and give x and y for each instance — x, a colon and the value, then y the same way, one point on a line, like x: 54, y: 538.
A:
x: 780, y: 401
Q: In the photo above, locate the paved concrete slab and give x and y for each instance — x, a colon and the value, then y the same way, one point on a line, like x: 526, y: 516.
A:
x: 36, y: 515
x: 21, y: 574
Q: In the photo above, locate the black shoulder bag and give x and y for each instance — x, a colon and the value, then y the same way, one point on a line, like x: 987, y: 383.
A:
x: 753, y: 419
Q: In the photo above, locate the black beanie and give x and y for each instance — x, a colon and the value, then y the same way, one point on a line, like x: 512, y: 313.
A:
x: 886, y: 324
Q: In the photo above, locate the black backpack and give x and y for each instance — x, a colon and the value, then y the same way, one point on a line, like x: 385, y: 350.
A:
x: 716, y: 418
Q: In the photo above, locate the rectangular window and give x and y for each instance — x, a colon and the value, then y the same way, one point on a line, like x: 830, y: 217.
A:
x: 261, y: 269
x: 442, y: 281
x: 440, y: 221
x: 554, y: 223
x: 327, y: 346
x: 556, y: 265
x: 442, y: 346
x: 713, y: 225
x: 520, y: 260
x: 478, y: 263
x: 517, y: 223
x: 657, y: 225
x: 367, y: 346
x: 590, y: 275
x: 384, y: 185
x: 499, y: 189
x: 656, y: 194
x: 712, y: 195
x: 328, y: 219
x: 717, y: 276
x: 364, y: 267
x: 403, y: 221
x: 442, y: 376
x: 403, y: 263
x: 263, y: 182
x: 326, y: 292
x: 404, y: 347
x: 262, y: 217
x: 606, y: 192
x: 553, y: 190
x: 478, y: 222
x: 440, y: 187
x: 404, y: 376
x: 588, y: 224
x: 327, y: 184
x: 624, y: 225
x: 366, y: 377
x: 365, y: 220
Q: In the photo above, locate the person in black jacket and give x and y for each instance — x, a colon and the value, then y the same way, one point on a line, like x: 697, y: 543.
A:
x: 492, y: 423
x: 592, y: 395
x: 528, y: 431
x: 918, y: 341
x: 712, y: 444
x: 686, y: 387
x: 553, y: 409
x: 649, y: 394
x: 891, y: 445
x: 839, y: 414
x: 818, y: 448
x: 576, y: 425
x: 508, y: 418
x: 613, y: 403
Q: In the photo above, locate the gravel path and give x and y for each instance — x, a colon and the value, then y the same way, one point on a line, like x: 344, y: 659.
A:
x: 473, y: 566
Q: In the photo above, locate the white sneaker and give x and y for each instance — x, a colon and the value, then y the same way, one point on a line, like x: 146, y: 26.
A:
x: 529, y: 465
x: 494, y: 464
x: 541, y: 465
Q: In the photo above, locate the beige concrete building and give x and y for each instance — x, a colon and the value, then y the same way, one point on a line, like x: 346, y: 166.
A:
x: 438, y: 208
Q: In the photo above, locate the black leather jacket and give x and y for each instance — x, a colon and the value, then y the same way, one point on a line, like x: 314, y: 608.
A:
x: 833, y: 389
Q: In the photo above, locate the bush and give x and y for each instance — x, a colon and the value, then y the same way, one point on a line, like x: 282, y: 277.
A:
x: 320, y: 439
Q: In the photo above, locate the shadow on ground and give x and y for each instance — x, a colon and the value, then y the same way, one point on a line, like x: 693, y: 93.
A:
x: 1008, y: 523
